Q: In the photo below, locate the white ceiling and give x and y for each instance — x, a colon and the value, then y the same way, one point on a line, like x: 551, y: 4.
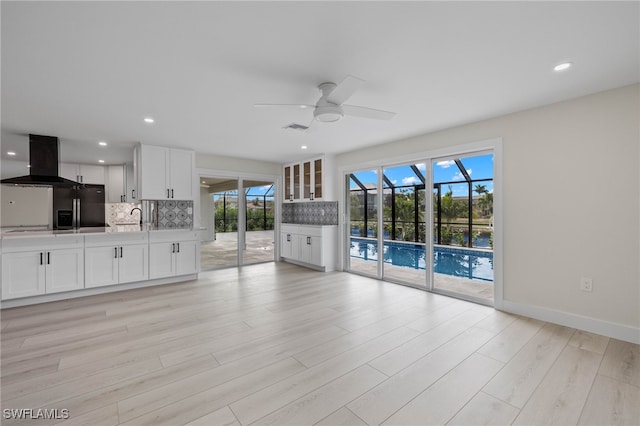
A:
x: 89, y: 71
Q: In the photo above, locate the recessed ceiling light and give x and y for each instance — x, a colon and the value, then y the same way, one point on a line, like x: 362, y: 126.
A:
x: 203, y: 182
x: 100, y: 161
x: 102, y: 143
x: 563, y: 66
x: 303, y: 147
x: 149, y: 120
x: 11, y: 153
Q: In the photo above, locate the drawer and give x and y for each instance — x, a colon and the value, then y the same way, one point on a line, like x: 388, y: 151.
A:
x: 11, y: 245
x: 171, y: 236
x: 116, y: 239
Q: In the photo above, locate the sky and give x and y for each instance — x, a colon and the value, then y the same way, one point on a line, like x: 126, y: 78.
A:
x: 478, y: 167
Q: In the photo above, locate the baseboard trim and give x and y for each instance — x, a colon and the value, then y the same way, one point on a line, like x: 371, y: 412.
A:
x: 44, y: 298
x: 592, y: 325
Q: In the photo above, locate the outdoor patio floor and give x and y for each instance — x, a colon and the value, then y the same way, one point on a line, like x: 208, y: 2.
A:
x: 223, y: 253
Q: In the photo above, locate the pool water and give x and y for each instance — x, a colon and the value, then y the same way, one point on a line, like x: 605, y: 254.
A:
x: 459, y: 262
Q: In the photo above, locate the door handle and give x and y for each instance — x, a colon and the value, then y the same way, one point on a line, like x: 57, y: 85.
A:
x: 120, y: 251
x: 48, y: 258
x: 41, y: 258
x: 116, y: 253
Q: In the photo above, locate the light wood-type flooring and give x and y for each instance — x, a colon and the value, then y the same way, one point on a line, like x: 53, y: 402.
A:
x: 278, y: 344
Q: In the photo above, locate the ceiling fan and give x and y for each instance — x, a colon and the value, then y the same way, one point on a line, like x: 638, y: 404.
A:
x: 330, y: 107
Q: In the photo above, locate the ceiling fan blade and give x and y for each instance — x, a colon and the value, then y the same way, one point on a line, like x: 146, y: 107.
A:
x: 365, y: 112
x: 301, y: 106
x: 344, y: 90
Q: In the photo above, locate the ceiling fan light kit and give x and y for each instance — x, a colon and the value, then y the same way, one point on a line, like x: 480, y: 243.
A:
x: 328, y: 113
x: 329, y: 107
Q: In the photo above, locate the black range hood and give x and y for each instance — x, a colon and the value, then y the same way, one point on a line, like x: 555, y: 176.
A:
x: 43, y: 158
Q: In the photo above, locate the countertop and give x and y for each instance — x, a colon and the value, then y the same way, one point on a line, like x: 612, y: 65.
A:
x: 37, y: 233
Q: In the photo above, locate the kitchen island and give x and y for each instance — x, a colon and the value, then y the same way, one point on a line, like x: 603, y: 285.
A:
x: 40, y: 265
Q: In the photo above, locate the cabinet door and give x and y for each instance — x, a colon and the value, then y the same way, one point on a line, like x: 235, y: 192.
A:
x: 116, y: 184
x: 131, y: 193
x: 286, y: 245
x: 181, y: 174
x: 306, y: 181
x: 187, y: 257
x: 101, y: 266
x: 311, y: 250
x: 154, y: 163
x: 317, y: 179
x: 161, y: 260
x: 91, y: 174
x: 64, y: 270
x: 296, y: 181
x: 133, y: 263
x: 69, y: 171
x: 288, y: 195
x: 23, y: 274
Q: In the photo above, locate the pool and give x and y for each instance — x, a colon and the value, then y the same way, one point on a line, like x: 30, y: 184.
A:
x: 456, y: 261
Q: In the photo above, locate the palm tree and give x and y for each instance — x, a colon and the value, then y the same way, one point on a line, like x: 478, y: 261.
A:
x: 480, y: 189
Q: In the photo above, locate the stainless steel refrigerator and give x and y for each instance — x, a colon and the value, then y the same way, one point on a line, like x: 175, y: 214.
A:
x: 78, y: 206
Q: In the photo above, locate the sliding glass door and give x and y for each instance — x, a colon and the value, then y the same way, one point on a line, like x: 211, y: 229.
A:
x: 442, y: 242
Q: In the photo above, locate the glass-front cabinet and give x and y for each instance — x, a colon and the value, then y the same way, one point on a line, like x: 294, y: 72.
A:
x: 304, y: 181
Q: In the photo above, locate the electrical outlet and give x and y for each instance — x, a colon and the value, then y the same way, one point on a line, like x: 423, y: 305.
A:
x: 586, y: 284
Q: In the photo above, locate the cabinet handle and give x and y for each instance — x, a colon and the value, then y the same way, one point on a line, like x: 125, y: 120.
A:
x: 133, y: 194
x: 308, y: 240
x: 311, y: 194
x: 172, y: 193
x: 178, y: 244
x: 168, y: 193
x: 41, y: 258
x: 173, y: 247
x: 81, y: 179
x: 48, y: 258
x: 120, y: 251
x: 288, y: 237
x: 290, y: 197
x: 116, y: 253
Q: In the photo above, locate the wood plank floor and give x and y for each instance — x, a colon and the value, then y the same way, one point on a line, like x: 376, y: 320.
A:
x: 278, y: 344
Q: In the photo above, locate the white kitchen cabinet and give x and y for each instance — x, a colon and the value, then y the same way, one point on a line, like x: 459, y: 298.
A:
x: 310, y: 245
x: 173, y: 253
x: 305, y: 181
x: 36, y: 266
x: 116, y: 187
x: 83, y: 173
x: 116, y: 259
x: 131, y: 184
x: 165, y: 173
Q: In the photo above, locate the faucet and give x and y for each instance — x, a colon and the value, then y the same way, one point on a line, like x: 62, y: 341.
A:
x: 137, y: 208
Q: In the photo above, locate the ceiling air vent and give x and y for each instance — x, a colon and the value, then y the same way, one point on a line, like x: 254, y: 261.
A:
x: 295, y: 126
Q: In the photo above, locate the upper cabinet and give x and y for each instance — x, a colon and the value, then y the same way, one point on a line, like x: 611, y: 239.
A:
x: 83, y: 173
x: 306, y: 181
x: 116, y: 184
x: 164, y: 173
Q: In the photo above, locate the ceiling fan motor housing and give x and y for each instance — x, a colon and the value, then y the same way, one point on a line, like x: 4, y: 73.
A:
x: 326, y: 111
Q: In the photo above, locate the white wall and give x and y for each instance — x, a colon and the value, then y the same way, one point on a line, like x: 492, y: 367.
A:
x: 239, y: 165
x: 571, y: 206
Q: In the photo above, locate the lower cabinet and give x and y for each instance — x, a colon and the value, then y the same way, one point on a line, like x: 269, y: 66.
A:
x: 173, y: 253
x: 36, y: 266
x: 309, y: 244
x: 116, y: 259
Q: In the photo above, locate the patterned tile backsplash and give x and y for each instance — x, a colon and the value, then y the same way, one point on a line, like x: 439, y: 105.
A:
x: 120, y: 213
x: 311, y: 213
x: 173, y: 214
